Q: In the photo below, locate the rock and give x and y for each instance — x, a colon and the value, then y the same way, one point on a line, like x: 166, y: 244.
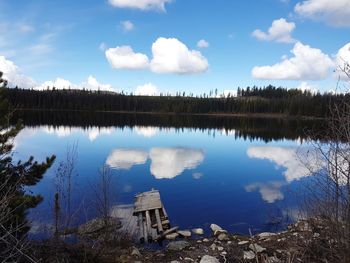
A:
x: 172, y: 236
x: 272, y: 260
x: 178, y: 245
x: 241, y: 243
x: 223, y: 253
x: 266, y: 235
x: 189, y: 259
x: 229, y: 242
x: 198, y: 231
x: 316, y: 235
x: 215, y: 227
x: 248, y: 255
x: 209, y: 259
x: 220, y: 249
x: 95, y: 226
x: 222, y: 237
x: 199, y: 241
x: 124, y: 258
x: 205, y: 240
x: 135, y: 252
x: 175, y: 261
x: 257, y: 248
x: 220, y: 231
x: 184, y: 233
x: 213, y: 247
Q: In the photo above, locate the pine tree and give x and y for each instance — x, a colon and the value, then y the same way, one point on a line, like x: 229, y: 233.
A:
x: 15, y: 177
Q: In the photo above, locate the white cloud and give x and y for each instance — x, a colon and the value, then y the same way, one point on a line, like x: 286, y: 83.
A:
x: 90, y: 84
x: 289, y: 158
x: 158, y: 5
x: 24, y: 28
x: 304, y: 86
x: 40, y: 49
x: 270, y: 192
x: 127, y: 25
x: 307, y: 64
x: 103, y: 46
x: 280, y: 31
x: 203, y: 43
x: 126, y: 158
x: 172, y: 56
x: 231, y: 93
x: 147, y: 90
x: 197, y: 175
x: 95, y: 132
x: 335, y: 12
x: 125, y: 58
x: 167, y: 163
x: 146, y: 131
x: 14, y: 76
x: 343, y: 61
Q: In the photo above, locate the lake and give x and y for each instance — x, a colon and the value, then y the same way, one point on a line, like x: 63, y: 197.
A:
x: 239, y: 173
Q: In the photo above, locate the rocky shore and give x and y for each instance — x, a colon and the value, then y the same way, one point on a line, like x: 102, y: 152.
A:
x: 291, y: 245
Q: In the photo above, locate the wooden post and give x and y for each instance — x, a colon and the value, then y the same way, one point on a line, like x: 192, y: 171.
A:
x: 164, y: 212
x: 140, y: 221
x: 149, y: 226
x: 159, y: 222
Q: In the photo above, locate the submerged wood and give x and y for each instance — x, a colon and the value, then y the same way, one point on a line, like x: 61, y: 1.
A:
x: 152, y: 220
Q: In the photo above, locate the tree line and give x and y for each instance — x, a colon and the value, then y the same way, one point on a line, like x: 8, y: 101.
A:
x: 251, y: 100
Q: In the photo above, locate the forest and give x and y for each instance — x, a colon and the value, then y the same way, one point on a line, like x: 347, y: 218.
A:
x: 250, y: 100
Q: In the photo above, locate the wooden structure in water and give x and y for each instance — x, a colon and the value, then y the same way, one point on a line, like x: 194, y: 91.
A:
x: 151, y: 216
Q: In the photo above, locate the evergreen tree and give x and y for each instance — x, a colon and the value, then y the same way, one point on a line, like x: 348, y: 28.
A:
x: 15, y: 177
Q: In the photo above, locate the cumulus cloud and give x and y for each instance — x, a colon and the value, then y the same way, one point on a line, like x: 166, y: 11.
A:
x: 158, y: 5
x: 270, y: 192
x: 343, y: 62
x: 307, y: 64
x: 335, y: 12
x: 167, y: 163
x: 146, y: 131
x: 169, y: 56
x: 14, y: 76
x: 289, y: 159
x: 146, y: 90
x: 125, y: 58
x: 90, y: 84
x: 203, y: 43
x: 126, y: 158
x: 172, y: 56
x: 304, y: 86
x: 280, y: 31
x: 127, y: 25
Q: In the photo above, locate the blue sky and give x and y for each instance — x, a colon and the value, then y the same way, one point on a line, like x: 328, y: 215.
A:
x: 108, y: 44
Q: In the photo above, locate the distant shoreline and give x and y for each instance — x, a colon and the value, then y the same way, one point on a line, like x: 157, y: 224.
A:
x: 228, y: 115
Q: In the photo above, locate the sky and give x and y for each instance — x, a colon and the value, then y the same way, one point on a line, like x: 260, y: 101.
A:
x: 168, y: 46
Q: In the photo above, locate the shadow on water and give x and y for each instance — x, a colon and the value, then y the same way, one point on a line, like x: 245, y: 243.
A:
x: 247, y: 128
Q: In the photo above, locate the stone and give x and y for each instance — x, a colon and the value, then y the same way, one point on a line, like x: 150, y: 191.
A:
x: 316, y: 235
x: 241, y: 243
x: 174, y: 261
x: 220, y: 231
x: 209, y: 259
x: 213, y: 247
x: 198, y: 231
x: 178, y: 245
x: 266, y: 235
x: 184, y: 233
x: 220, y: 249
x: 215, y: 227
x: 257, y: 248
x: 223, y: 253
x: 205, y: 240
x: 189, y: 259
x: 172, y: 236
x: 248, y: 255
x: 229, y: 242
x: 272, y: 260
x: 135, y: 252
x: 222, y: 237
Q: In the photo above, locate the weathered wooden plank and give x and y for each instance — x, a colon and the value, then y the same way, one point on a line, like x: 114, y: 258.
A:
x: 159, y: 222
x: 140, y: 223
x: 149, y: 226
x: 164, y: 213
x: 167, y: 232
x: 164, y: 222
x: 147, y: 201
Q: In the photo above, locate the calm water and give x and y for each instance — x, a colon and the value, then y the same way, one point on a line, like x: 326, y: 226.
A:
x: 239, y: 175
